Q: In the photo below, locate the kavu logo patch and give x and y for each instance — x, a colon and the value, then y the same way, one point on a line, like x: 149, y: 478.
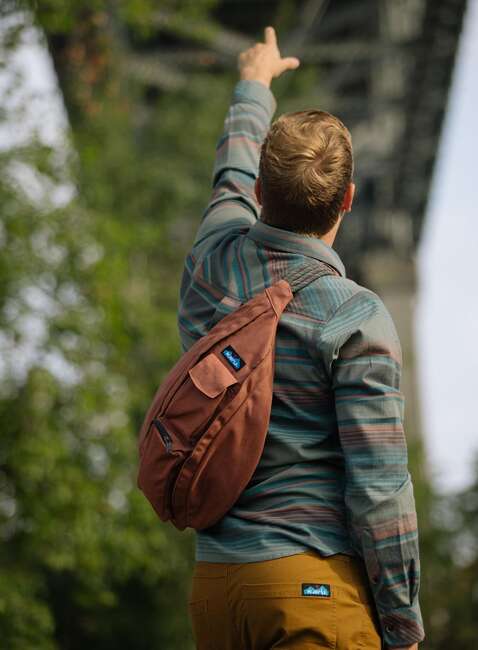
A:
x: 233, y: 358
x: 321, y: 590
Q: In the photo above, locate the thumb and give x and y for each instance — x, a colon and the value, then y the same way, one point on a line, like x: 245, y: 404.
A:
x: 289, y: 63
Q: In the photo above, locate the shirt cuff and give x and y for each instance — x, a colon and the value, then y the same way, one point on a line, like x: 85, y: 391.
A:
x: 402, y: 627
x: 255, y: 92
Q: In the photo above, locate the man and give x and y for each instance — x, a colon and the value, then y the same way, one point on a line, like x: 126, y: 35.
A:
x: 321, y: 549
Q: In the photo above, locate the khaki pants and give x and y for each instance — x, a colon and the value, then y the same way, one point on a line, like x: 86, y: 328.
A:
x: 301, y: 601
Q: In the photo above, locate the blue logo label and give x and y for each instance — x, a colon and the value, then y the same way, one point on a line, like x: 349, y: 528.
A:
x: 233, y: 358
x: 321, y: 590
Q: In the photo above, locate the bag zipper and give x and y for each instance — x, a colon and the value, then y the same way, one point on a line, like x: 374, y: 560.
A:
x: 165, y: 436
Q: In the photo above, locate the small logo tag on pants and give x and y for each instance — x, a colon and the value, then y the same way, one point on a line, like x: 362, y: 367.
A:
x: 316, y: 590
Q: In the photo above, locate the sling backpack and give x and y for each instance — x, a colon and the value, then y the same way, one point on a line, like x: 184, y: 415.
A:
x: 205, y: 430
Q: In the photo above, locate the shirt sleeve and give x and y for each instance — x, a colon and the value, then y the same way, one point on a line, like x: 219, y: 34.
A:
x: 233, y: 204
x: 365, y: 369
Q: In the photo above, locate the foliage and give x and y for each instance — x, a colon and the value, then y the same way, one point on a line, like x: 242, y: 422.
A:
x: 64, y: 16
x: 85, y: 561
x: 451, y: 564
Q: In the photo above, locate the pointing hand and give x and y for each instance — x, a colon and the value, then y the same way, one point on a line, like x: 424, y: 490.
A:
x: 263, y: 61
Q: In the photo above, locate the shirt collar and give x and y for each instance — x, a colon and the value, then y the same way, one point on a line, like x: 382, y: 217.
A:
x: 294, y: 242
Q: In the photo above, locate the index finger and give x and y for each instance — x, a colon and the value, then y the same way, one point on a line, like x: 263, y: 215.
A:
x: 270, y: 36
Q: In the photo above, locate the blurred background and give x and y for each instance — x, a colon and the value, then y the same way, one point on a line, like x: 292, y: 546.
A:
x: 109, y: 116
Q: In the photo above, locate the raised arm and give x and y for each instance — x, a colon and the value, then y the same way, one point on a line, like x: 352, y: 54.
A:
x: 233, y: 203
x: 365, y: 367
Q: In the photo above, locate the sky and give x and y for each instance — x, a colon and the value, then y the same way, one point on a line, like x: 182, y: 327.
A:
x: 446, y: 321
x: 446, y: 318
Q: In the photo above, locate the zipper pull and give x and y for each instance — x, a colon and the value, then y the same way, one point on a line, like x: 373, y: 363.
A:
x: 165, y: 437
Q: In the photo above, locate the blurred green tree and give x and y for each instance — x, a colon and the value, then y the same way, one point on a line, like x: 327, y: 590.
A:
x: 85, y: 562
x: 451, y: 564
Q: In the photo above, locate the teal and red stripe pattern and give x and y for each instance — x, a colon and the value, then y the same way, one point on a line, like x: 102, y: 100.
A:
x: 333, y: 476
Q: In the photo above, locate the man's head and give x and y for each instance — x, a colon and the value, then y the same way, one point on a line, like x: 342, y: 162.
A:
x: 305, y: 174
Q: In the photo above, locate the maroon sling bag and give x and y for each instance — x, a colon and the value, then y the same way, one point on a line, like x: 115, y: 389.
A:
x: 205, y: 430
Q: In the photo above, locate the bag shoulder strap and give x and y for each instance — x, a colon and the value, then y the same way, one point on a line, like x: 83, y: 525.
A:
x: 300, y: 277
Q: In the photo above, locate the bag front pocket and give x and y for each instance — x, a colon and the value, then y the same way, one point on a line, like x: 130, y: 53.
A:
x: 211, y: 376
x: 196, y: 401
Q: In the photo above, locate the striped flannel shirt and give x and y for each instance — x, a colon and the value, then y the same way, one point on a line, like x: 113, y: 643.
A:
x: 333, y: 475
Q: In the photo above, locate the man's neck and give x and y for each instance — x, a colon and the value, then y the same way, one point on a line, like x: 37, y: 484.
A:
x: 330, y: 236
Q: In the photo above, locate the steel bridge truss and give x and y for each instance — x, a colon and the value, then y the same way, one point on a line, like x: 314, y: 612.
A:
x: 384, y: 68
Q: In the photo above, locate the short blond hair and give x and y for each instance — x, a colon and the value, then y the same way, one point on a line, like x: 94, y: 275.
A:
x: 305, y: 168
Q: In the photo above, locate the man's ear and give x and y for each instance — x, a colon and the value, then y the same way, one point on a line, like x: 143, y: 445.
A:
x: 258, y: 190
x: 348, y: 198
